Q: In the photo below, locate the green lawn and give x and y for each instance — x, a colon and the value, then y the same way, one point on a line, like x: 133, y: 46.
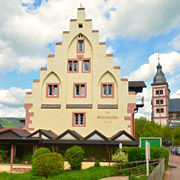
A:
x: 92, y: 173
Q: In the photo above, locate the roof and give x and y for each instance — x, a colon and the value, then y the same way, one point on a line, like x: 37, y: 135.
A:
x: 137, y: 84
x: 48, y: 133
x: 159, y: 77
x: 95, y: 137
x: 73, y: 133
x: 174, y: 105
x: 120, y: 133
x: 14, y: 133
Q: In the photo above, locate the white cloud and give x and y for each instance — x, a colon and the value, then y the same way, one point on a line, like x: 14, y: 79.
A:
x: 170, y: 63
x: 27, y: 32
x: 109, y: 50
x: 12, y: 97
x: 146, y: 110
x: 27, y: 64
x: 176, y: 94
x: 175, y: 43
x: 12, y: 102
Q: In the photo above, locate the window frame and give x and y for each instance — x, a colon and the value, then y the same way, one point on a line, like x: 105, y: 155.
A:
x: 47, y: 90
x: 73, y: 60
x: 74, y: 90
x: 86, y: 59
x: 83, y: 40
x: 107, y: 84
x: 79, y: 119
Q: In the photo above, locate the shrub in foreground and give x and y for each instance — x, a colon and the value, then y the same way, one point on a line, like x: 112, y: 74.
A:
x: 39, y: 152
x: 74, y: 156
x: 138, y: 154
x: 48, y: 164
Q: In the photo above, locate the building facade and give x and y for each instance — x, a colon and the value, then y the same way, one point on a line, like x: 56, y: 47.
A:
x: 80, y: 89
x: 80, y: 99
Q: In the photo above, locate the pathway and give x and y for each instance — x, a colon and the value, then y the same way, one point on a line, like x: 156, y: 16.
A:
x: 116, y: 178
x: 173, y: 173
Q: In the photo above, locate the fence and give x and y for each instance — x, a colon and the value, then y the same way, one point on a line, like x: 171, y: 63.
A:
x: 158, y: 172
x: 153, y: 162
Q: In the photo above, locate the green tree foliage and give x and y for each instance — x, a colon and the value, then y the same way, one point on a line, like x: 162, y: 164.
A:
x: 48, y: 164
x: 74, y: 156
x: 146, y: 128
x: 39, y: 152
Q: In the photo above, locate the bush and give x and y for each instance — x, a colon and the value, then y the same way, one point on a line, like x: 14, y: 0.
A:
x: 120, y: 158
x: 138, y: 154
x: 74, y: 156
x: 96, y: 164
x: 3, y: 155
x: 39, y: 152
x: 48, y: 164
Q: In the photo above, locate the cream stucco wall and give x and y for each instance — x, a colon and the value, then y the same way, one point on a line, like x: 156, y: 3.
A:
x: 107, y: 121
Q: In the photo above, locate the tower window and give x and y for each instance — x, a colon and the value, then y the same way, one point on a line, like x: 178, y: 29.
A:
x: 161, y: 91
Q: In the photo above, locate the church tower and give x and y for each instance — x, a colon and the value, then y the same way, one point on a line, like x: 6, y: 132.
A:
x: 160, y: 97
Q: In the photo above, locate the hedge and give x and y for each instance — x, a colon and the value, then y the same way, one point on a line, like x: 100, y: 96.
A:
x: 138, y: 154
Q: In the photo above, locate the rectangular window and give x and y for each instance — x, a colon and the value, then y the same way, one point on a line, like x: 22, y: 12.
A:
x: 86, y: 66
x: 79, y: 90
x: 104, y: 90
x: 72, y: 66
x: 160, y: 110
x: 79, y: 120
x: 157, y: 92
x: 52, y: 90
x: 107, y: 90
x: 161, y: 91
x: 157, y: 101
x: 80, y: 46
x: 157, y: 110
x: 161, y: 101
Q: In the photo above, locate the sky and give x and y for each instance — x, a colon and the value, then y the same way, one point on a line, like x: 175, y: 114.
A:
x: 134, y: 31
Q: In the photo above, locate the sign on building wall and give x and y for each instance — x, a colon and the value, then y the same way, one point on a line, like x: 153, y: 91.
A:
x: 154, y: 141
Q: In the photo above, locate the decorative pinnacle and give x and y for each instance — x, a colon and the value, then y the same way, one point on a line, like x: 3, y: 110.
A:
x: 81, y: 5
x: 158, y: 57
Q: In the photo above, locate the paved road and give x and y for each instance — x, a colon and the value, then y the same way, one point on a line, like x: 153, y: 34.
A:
x: 173, y: 173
